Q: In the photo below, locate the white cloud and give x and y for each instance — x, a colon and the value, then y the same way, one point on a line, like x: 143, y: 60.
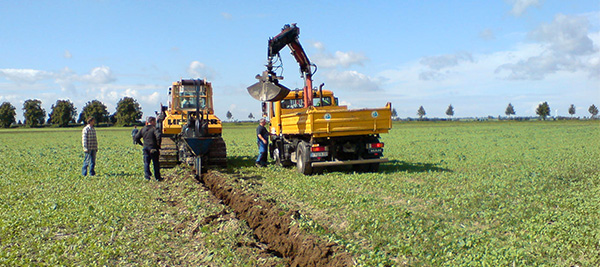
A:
x: 325, y: 59
x: 319, y: 46
x: 344, y: 59
x: 566, y: 45
x: 25, y: 75
x: 437, y: 67
x: 566, y: 34
x: 198, y: 69
x: 487, y: 34
x: 226, y: 15
x: 67, y: 54
x: 351, y: 81
x: 520, y: 6
x: 99, y: 75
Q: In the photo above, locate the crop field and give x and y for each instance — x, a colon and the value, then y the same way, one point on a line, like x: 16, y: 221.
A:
x: 453, y: 194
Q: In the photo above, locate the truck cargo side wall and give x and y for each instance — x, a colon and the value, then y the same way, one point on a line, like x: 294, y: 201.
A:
x: 342, y: 122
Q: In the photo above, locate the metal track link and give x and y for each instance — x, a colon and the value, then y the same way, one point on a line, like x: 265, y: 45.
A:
x: 168, y: 153
x: 217, y: 153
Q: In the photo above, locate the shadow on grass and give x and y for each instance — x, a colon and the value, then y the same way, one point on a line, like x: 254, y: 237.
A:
x: 245, y: 161
x: 124, y: 174
x: 403, y: 166
x: 389, y: 167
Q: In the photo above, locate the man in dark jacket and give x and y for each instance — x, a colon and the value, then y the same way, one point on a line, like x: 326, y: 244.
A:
x: 152, y: 138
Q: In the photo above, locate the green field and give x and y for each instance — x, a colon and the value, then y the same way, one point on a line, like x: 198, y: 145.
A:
x: 453, y: 194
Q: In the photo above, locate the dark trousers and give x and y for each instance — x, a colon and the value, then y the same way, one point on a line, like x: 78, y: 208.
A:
x: 151, y: 154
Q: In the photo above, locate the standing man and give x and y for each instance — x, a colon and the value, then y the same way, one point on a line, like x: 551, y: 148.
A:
x: 261, y: 139
x: 152, y: 139
x: 133, y: 133
x: 90, y: 147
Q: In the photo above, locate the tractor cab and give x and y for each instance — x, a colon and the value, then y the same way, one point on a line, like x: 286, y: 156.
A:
x: 184, y: 98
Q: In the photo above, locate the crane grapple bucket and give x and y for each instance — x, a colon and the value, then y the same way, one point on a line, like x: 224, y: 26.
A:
x: 268, y: 88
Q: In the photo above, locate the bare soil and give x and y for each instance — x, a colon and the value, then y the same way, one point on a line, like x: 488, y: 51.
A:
x: 273, y: 226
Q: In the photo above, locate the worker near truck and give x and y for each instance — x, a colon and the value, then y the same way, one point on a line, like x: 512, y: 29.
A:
x: 90, y: 147
x: 261, y: 139
x: 152, y: 139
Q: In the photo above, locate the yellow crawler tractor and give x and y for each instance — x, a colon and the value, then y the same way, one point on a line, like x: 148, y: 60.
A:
x: 191, y: 133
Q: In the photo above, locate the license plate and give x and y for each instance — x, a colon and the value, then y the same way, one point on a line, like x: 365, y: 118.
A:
x: 375, y: 150
x: 318, y: 154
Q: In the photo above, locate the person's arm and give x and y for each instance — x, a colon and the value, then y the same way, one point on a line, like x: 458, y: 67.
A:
x: 84, y: 138
x: 261, y: 138
x: 158, y: 135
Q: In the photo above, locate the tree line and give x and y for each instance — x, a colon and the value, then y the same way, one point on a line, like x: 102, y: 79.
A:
x: 543, y: 110
x: 64, y: 112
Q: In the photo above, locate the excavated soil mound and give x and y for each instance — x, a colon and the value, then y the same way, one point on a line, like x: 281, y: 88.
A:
x: 273, y: 227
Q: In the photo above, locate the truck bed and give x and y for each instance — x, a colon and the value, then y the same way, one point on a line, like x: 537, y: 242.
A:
x: 337, y: 121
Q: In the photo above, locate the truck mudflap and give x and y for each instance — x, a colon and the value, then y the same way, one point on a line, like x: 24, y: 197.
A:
x: 347, y: 162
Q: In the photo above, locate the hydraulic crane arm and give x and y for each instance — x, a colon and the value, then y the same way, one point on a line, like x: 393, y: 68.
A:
x: 289, y: 36
x: 268, y: 87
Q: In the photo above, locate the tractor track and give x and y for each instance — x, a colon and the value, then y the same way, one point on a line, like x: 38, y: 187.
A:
x: 273, y: 226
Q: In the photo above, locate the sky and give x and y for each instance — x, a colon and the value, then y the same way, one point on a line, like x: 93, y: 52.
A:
x: 477, y: 56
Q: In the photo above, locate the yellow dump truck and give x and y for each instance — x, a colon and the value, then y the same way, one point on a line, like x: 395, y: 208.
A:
x: 326, y: 134
x: 308, y: 127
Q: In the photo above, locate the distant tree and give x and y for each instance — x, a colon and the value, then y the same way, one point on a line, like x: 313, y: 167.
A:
x: 510, y: 110
x: 94, y: 109
x: 593, y: 110
x: 250, y: 116
x: 543, y: 110
x: 128, y: 111
x: 229, y: 115
x: 62, y: 113
x: 421, y: 112
x: 572, y: 110
x: 394, y: 114
x: 7, y: 114
x: 33, y: 112
x: 450, y: 111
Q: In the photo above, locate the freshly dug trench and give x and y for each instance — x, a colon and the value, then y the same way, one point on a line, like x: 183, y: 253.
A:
x: 273, y: 226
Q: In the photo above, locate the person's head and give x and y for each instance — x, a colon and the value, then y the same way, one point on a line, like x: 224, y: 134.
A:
x: 134, y: 127
x: 262, y: 122
x: 91, y: 121
x: 151, y: 121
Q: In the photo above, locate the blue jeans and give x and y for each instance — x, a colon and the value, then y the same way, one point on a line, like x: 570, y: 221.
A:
x: 262, y: 153
x: 151, y: 155
x: 89, y: 160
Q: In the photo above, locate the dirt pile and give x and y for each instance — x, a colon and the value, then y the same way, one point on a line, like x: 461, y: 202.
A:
x: 273, y: 226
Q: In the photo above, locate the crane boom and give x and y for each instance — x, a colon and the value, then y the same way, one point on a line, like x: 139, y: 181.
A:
x: 268, y: 87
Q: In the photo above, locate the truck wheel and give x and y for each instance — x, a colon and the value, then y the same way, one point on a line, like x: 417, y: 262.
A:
x: 303, y: 159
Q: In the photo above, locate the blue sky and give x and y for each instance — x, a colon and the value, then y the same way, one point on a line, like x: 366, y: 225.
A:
x: 477, y: 56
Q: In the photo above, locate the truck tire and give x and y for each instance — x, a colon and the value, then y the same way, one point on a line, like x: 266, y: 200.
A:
x: 303, y: 159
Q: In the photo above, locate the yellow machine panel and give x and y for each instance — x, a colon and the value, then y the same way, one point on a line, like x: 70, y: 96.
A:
x: 326, y: 119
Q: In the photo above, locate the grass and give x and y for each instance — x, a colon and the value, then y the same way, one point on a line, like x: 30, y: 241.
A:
x: 459, y: 194
x: 51, y: 215
x: 453, y: 194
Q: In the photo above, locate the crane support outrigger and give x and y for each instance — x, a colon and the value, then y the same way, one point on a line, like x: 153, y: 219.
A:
x: 315, y: 133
